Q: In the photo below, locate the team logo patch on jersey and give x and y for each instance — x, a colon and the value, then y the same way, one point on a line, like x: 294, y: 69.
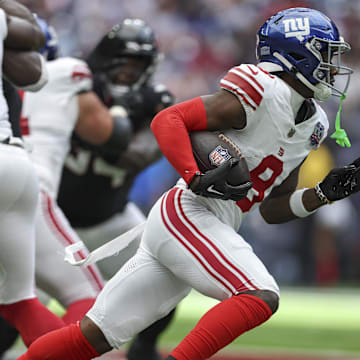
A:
x: 297, y: 27
x: 317, y: 135
x: 219, y: 155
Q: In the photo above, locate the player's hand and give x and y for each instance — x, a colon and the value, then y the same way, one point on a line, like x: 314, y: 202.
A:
x: 213, y: 183
x: 156, y: 98
x: 145, y: 103
x: 341, y: 182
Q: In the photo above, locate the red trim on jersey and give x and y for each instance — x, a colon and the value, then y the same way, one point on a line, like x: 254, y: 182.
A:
x: 250, y: 77
x: 69, y: 240
x: 24, y: 122
x: 171, y: 128
x: 80, y: 75
x: 209, y: 251
x: 245, y: 85
x: 238, y: 93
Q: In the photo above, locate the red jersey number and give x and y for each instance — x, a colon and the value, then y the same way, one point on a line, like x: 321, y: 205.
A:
x: 270, y: 162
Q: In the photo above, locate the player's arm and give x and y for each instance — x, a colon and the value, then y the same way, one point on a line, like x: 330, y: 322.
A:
x: 14, y: 8
x: 171, y: 127
x: 286, y: 203
x: 97, y: 126
x: 23, y: 31
x: 23, y: 34
x: 142, y: 151
x: 281, y: 205
x: 25, y: 69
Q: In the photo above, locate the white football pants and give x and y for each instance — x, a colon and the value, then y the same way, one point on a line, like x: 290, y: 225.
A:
x: 184, y: 246
x: 18, y: 201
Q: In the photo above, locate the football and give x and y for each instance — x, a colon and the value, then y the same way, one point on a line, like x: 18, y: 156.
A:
x: 211, y: 149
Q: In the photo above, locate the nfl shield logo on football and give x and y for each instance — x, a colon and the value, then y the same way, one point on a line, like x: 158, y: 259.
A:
x: 317, y: 135
x: 219, y: 155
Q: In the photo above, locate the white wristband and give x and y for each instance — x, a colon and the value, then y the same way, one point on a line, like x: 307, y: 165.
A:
x: 296, y: 204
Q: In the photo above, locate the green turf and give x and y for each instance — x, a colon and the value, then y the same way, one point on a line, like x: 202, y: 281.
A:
x: 327, y: 320
x: 307, y: 320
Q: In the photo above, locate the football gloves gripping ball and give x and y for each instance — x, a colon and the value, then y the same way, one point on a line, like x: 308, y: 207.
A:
x: 213, y: 183
x: 339, y: 183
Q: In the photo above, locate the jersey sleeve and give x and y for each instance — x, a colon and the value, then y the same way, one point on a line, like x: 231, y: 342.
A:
x: 246, y: 82
x: 70, y: 75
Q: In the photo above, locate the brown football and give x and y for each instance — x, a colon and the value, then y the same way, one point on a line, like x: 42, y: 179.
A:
x: 210, y: 149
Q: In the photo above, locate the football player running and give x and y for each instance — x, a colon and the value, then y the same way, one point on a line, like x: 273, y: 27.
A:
x: 95, y: 186
x: 191, y: 241
x: 24, y: 67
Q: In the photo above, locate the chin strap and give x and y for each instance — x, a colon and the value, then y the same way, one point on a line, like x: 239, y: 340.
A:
x: 340, y: 134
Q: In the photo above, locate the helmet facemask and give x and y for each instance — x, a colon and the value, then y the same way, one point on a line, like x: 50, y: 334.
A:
x: 329, y: 54
x: 121, y: 78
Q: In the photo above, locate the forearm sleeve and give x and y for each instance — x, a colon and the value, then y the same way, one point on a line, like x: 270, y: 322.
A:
x: 171, y: 128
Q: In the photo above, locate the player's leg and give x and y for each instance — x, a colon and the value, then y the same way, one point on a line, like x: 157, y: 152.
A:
x: 215, y: 260
x: 144, y: 344
x: 74, y: 287
x: 19, y: 197
x: 142, y: 292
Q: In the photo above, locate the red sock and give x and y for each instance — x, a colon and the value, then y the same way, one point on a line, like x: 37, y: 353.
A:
x: 77, y: 310
x: 221, y: 325
x: 31, y: 318
x: 67, y: 343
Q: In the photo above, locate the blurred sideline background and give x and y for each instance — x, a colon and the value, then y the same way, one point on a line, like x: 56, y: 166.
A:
x: 316, y: 259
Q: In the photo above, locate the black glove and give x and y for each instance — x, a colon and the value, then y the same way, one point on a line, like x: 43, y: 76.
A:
x: 213, y: 183
x: 145, y: 103
x: 340, y: 183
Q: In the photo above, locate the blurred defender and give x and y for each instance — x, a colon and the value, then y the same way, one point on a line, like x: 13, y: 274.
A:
x: 95, y: 186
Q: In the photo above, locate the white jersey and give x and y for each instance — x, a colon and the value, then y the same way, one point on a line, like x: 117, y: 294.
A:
x: 50, y: 115
x: 272, y: 144
x: 5, y: 127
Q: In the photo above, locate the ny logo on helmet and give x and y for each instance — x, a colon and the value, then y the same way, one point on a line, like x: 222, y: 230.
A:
x: 298, y: 27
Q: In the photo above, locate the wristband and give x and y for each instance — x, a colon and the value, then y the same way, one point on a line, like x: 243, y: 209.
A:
x: 296, y: 204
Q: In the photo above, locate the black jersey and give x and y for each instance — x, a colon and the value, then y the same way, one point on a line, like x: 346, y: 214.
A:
x: 92, y: 188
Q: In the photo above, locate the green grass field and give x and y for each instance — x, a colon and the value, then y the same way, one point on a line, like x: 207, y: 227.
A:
x: 309, y: 322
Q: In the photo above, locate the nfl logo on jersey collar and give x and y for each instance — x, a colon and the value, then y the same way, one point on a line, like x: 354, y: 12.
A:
x: 219, y: 155
x: 317, y: 135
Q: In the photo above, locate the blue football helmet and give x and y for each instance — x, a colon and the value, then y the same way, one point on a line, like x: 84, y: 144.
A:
x: 50, y: 50
x: 305, y: 43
